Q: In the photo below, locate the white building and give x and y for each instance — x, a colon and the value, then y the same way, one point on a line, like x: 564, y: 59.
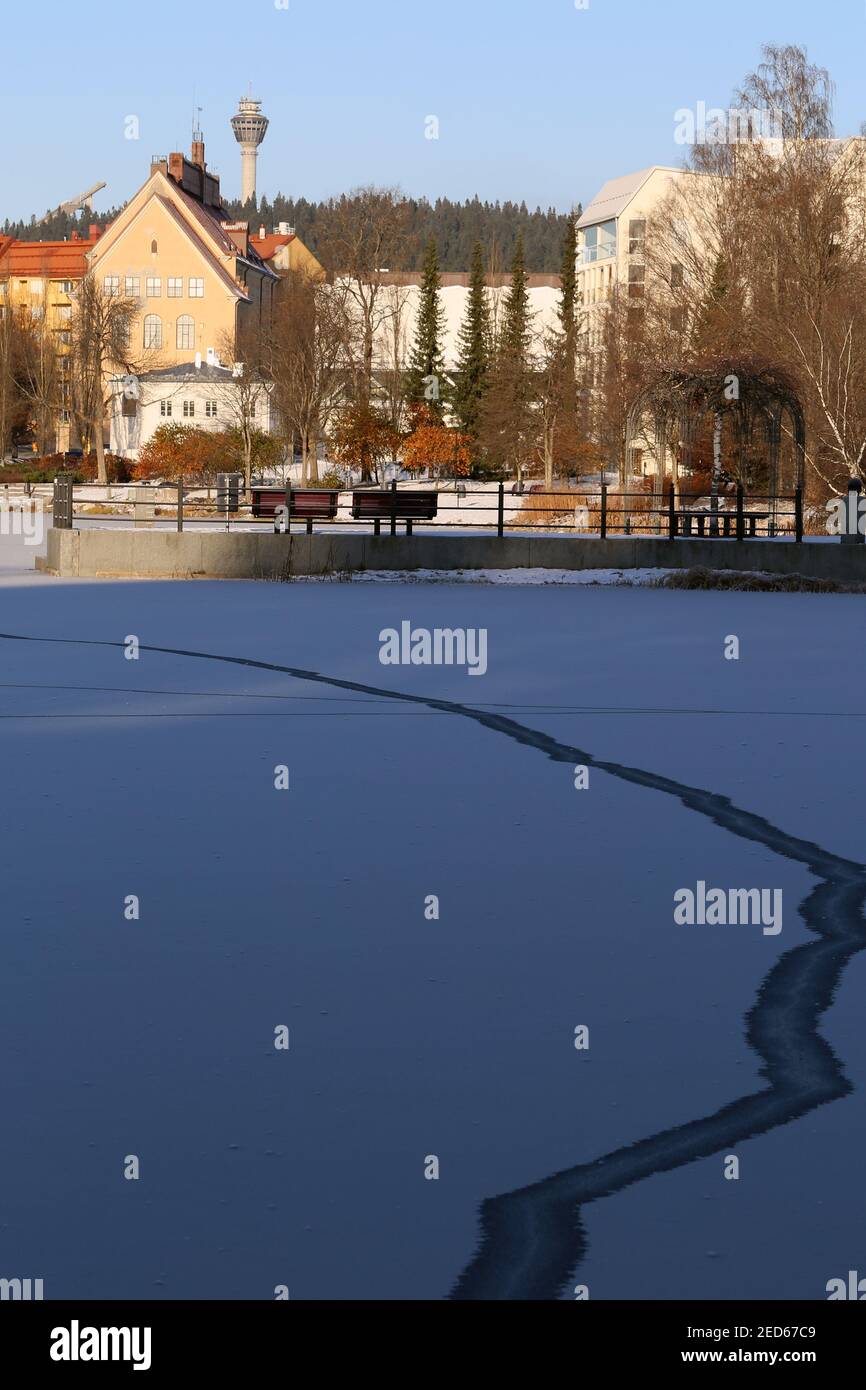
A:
x: 203, y: 395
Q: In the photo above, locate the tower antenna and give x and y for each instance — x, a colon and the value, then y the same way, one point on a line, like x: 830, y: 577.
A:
x: 250, y: 127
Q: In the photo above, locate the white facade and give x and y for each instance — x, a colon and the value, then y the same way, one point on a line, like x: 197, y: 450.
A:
x: 202, y: 396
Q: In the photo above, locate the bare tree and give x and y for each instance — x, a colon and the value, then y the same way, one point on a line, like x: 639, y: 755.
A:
x: 310, y: 346
x: 392, y: 356
x: 101, y: 349
x: 761, y: 250
x: 10, y: 369
x: 42, y: 380
x: 244, y: 395
x: 364, y: 236
x: 832, y: 358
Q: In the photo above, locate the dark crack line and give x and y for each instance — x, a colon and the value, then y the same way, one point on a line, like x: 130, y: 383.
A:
x: 532, y: 1239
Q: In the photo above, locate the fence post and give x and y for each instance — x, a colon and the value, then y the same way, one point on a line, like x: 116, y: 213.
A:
x: 289, y: 507
x: 603, y: 511
x: 180, y: 504
x: 798, y: 515
x: 741, y: 519
x: 63, y: 509
x: 672, y: 514
x: 851, y: 535
x: 393, y: 506
x: 500, y: 514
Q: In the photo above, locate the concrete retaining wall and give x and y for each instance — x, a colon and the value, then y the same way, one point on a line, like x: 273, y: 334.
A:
x: 105, y: 552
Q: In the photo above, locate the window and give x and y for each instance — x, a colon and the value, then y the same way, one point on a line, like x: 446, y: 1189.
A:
x: 165, y: 407
x: 153, y: 248
x: 64, y: 312
x: 185, y: 331
x: 112, y: 284
x: 66, y: 286
x: 129, y: 407
x: 65, y: 337
x: 636, y: 279
x: 189, y: 410
x: 152, y: 331
x: 175, y: 287
x: 677, y: 276
x: 153, y: 287
x: 599, y: 242
x: 678, y: 320
x: 210, y: 409
x: 132, y: 287
x: 636, y: 236
x: 196, y: 289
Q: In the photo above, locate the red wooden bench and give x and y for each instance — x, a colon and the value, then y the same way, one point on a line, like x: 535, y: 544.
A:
x: 391, y: 505
x: 307, y: 504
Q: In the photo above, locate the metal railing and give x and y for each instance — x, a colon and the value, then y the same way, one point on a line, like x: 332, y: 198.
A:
x: 506, y: 509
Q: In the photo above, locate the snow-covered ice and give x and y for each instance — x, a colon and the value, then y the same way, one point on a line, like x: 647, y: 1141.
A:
x: 409, y: 1037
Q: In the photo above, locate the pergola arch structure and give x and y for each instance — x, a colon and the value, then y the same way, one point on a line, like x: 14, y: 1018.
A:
x: 749, y: 395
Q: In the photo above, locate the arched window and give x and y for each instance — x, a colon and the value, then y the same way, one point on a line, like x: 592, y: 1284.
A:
x: 153, y: 248
x: 186, y: 332
x: 152, y: 331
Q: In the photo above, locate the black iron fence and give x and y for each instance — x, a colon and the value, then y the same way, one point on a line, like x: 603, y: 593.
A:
x: 505, y: 509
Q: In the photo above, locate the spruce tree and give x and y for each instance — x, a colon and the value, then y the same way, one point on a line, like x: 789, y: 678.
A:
x: 516, y: 322
x: 566, y: 433
x: 473, y: 364
x: 425, y: 379
x: 507, y: 415
x: 568, y: 277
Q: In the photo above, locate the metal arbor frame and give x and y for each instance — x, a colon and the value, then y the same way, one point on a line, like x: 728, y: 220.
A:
x: 749, y: 394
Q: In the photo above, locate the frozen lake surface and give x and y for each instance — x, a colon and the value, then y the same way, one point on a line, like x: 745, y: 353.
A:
x: 409, y: 1037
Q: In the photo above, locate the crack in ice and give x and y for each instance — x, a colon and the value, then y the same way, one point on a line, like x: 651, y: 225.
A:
x: 532, y: 1239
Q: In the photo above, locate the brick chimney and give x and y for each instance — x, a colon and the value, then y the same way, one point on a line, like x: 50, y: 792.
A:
x: 197, y: 154
x: 239, y: 232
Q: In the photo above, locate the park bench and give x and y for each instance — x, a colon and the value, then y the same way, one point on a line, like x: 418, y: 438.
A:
x: 307, y: 504
x: 727, y: 522
x: 393, y: 506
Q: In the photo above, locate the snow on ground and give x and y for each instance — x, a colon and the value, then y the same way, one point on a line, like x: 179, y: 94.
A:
x: 409, y: 1037
x: 519, y: 577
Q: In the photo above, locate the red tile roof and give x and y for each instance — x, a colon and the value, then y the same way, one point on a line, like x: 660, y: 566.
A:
x: 268, y: 246
x: 53, y: 260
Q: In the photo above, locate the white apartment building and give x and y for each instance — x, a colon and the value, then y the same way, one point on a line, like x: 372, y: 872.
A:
x: 612, y: 233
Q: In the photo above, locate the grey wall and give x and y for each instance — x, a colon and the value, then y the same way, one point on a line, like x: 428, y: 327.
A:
x: 96, y: 552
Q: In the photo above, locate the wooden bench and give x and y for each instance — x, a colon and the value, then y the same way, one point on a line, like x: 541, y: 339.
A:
x: 727, y: 522
x: 307, y: 504
x: 391, y: 505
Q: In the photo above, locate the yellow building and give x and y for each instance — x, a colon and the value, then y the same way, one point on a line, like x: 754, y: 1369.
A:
x: 38, y: 279
x: 195, y: 273
x: 284, y: 251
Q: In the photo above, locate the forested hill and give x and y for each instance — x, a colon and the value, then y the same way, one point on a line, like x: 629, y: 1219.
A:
x: 456, y: 227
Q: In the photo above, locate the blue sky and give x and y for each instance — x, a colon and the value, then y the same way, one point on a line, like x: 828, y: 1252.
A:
x: 536, y: 99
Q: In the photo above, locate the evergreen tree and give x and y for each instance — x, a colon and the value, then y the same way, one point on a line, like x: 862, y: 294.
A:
x: 566, y: 433
x: 425, y: 378
x: 473, y: 364
x: 508, y: 427
x: 516, y: 334
x: 568, y: 276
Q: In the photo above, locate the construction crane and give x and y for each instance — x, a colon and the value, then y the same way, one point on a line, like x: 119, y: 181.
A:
x: 83, y: 200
